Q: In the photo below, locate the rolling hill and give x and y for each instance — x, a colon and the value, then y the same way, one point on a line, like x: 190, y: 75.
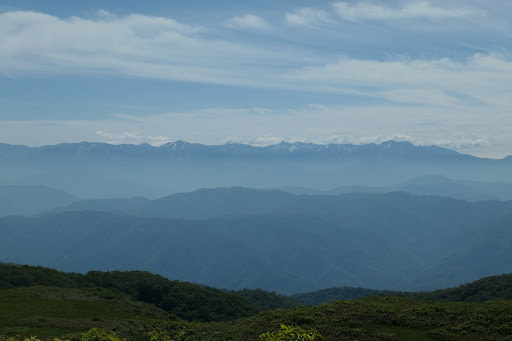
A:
x: 50, y: 312
x: 391, y: 241
x: 429, y: 184
x: 184, y: 300
x: 111, y: 302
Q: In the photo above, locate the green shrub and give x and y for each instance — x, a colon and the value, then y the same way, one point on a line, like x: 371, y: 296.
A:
x: 292, y: 333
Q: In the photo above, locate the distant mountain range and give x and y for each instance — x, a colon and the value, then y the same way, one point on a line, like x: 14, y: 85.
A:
x: 185, y: 150
x: 384, y: 216
x: 31, y: 200
x: 99, y: 170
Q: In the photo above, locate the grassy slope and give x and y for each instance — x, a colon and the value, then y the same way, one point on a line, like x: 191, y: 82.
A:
x: 51, y: 312
x: 374, y: 319
x: 186, y: 300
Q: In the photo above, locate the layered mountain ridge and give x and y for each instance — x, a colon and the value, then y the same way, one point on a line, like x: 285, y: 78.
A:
x: 389, y: 149
x: 244, y: 238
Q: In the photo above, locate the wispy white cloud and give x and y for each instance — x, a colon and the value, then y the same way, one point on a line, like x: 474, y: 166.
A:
x: 249, y: 21
x: 462, y: 144
x: 259, y: 141
x: 130, y: 138
x: 307, y: 17
x: 423, y: 9
x: 103, y: 134
x: 134, y: 45
x: 478, y: 80
x: 162, y: 48
x: 459, y: 92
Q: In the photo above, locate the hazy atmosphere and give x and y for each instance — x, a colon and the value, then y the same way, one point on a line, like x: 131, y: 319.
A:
x: 429, y: 72
x: 272, y: 170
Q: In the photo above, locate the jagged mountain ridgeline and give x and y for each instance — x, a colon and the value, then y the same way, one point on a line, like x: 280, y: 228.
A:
x: 94, y: 170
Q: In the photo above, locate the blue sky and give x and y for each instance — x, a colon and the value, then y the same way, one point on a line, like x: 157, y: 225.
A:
x: 431, y: 72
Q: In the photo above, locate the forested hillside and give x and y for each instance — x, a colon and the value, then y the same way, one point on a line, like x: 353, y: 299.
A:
x: 484, y: 289
x: 292, y: 244
x: 343, y: 294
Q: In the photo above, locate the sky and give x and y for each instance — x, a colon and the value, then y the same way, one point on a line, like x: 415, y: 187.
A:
x: 258, y: 72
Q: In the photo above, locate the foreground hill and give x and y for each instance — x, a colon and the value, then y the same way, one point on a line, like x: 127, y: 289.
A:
x: 481, y: 290
x: 484, y: 289
x: 395, y: 241
x: 28, y: 309
x: 372, y: 319
x: 185, y: 300
x: 51, y: 311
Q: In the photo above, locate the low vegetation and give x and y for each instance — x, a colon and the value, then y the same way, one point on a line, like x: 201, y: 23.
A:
x: 485, y: 289
x: 111, y: 309
x: 364, y: 319
x: 186, y: 300
x: 50, y: 311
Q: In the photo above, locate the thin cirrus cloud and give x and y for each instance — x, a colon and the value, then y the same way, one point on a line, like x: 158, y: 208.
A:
x: 307, y: 17
x: 134, y: 45
x: 163, y: 48
x: 249, y: 21
x: 480, y: 79
x: 130, y: 137
x: 369, y: 11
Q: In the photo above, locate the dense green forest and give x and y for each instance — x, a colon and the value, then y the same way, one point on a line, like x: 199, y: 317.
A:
x: 267, y: 300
